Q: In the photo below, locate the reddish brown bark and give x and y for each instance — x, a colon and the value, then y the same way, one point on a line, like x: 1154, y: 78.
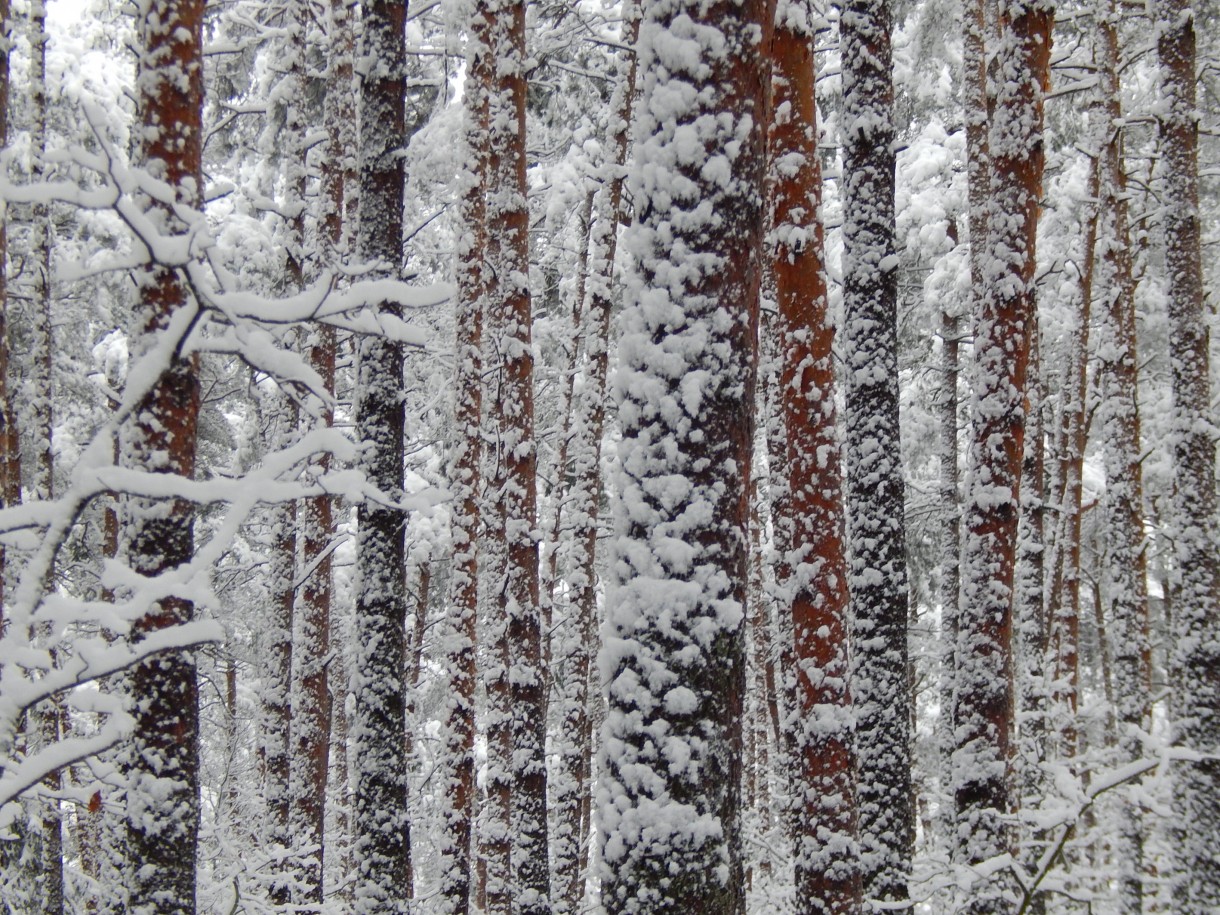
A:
x: 983, y: 712
x: 822, y: 761
x: 163, y: 760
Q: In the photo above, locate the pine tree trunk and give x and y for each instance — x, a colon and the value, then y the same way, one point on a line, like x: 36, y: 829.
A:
x: 876, y: 490
x: 1004, y: 322
x: 9, y: 448
x: 586, y: 449
x: 1195, y: 667
x: 382, y: 848
x: 162, y: 761
x: 1031, y: 617
x: 513, y: 412
x: 671, y: 787
x: 812, y: 576
x: 1126, y: 572
x: 457, y: 863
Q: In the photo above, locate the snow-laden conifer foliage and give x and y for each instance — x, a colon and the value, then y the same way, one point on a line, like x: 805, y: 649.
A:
x: 674, y: 644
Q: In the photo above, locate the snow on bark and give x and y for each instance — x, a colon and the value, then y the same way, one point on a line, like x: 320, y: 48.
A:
x: 1195, y: 665
x: 588, y: 426
x: 458, y: 757
x: 1125, y: 573
x: 382, y: 846
x: 161, y: 763
x: 812, y: 576
x: 512, y: 410
x: 876, y: 491
x: 673, y: 655
x: 10, y: 481
x: 983, y: 703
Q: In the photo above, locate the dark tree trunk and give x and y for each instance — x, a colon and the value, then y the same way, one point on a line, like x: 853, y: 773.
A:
x: 382, y: 844
x: 875, y: 487
x: 162, y: 761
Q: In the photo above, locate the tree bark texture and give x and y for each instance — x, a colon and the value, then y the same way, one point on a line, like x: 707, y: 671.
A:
x: 685, y: 388
x: 382, y: 841
x: 1004, y: 321
x: 875, y: 487
x: 812, y: 576
x: 1195, y: 664
x: 162, y: 760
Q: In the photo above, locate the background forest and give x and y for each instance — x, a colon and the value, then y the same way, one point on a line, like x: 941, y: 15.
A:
x: 479, y: 456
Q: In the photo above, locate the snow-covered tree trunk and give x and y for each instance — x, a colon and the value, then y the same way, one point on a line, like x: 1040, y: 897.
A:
x: 1032, y: 630
x: 585, y: 498
x: 1195, y: 664
x: 161, y: 763
x: 812, y: 578
x: 1126, y: 573
x: 512, y: 408
x: 8, y: 415
x: 457, y: 874
x: 382, y: 844
x: 674, y: 656
x: 1004, y: 321
x: 876, y: 491
x: 1063, y: 601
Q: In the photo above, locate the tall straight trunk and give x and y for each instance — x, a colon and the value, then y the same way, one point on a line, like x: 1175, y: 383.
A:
x: 1195, y: 672
x: 1004, y: 322
x: 875, y: 487
x: 48, y: 717
x: 9, y: 448
x: 951, y: 527
x: 513, y: 410
x: 316, y: 686
x: 310, y: 693
x: 1063, y: 602
x: 813, y: 588
x: 276, y: 692
x: 162, y: 760
x: 1031, y: 618
x: 457, y: 863
x: 587, y: 431
x: 382, y: 847
x: 671, y: 786
x: 1126, y: 571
